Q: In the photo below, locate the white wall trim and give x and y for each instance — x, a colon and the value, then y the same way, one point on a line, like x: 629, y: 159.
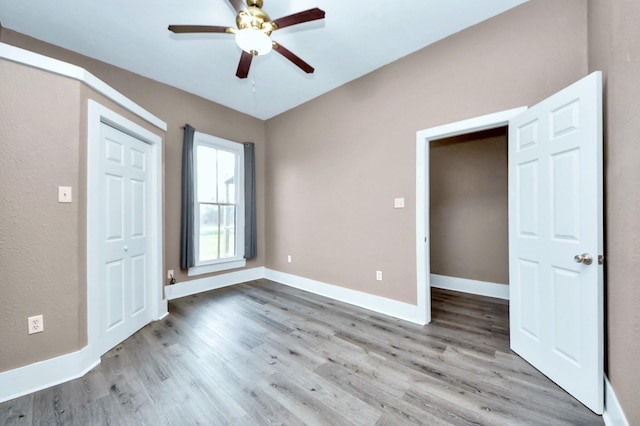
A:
x: 200, y: 285
x: 613, y: 414
x: 423, y: 138
x: 44, y: 374
x: 35, y: 60
x: 216, y: 267
x: 482, y: 288
x: 374, y: 303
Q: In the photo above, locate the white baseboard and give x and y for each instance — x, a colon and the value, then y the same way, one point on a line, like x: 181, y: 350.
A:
x: 44, y: 374
x: 379, y: 304
x: 163, y: 309
x: 613, y: 414
x: 188, y: 288
x: 482, y: 288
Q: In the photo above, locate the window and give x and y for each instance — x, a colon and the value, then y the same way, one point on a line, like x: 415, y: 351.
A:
x: 218, y: 204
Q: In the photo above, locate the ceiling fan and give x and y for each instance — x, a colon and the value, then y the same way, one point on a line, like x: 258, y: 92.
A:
x: 253, y: 31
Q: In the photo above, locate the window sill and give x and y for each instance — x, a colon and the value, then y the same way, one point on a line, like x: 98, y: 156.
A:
x: 217, y: 267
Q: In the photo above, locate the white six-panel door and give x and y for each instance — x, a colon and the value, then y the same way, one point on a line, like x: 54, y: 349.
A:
x: 123, y: 288
x: 555, y: 214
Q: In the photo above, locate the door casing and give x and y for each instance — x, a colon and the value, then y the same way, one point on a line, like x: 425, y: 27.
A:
x: 423, y: 138
x: 98, y: 114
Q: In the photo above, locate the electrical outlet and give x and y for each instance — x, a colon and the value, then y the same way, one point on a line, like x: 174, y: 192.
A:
x: 379, y: 275
x: 170, y: 274
x: 289, y: 258
x: 35, y: 324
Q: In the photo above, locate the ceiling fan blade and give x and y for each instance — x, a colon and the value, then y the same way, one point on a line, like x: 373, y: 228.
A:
x: 238, y: 5
x: 293, y: 58
x: 244, y: 65
x: 298, y: 18
x: 199, y: 29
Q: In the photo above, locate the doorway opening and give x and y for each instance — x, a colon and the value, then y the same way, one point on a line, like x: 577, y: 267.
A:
x: 424, y: 138
x: 469, y: 213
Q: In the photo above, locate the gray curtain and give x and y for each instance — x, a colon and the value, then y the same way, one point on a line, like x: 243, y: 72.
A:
x: 187, y: 228
x: 250, y: 228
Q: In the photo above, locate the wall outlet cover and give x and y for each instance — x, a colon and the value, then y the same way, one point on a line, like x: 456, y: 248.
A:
x: 35, y: 324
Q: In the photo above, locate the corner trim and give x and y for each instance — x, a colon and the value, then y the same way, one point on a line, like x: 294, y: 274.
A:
x: 613, y: 414
x: 374, y: 303
x: 187, y: 288
x: 482, y: 288
x: 35, y: 60
x: 44, y: 374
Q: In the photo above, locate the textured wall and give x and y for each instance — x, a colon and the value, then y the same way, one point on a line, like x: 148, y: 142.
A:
x: 469, y: 207
x: 176, y: 108
x: 39, y: 255
x: 335, y: 164
x: 614, y: 48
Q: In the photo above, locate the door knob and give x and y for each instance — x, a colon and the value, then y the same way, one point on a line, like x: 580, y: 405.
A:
x: 584, y: 258
x: 126, y: 248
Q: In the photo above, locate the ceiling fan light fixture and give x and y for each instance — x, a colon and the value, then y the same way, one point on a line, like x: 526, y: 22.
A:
x: 254, y: 41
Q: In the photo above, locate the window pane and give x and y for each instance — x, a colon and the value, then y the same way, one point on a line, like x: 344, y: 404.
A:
x: 226, y: 177
x: 217, y: 184
x: 206, y: 165
x: 208, y: 232
x: 228, y: 231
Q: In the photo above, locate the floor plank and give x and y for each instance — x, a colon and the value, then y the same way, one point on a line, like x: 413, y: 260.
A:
x: 264, y: 354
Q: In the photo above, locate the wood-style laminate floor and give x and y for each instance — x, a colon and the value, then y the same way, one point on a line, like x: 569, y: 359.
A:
x: 262, y: 353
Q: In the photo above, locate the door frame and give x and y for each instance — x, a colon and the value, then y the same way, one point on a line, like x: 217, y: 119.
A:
x: 423, y: 138
x: 98, y: 114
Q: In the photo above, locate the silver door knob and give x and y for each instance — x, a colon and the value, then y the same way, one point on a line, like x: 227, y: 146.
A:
x: 584, y: 258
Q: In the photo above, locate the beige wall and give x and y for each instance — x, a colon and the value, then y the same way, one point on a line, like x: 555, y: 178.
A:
x: 614, y: 48
x: 468, y: 208
x: 39, y: 255
x: 43, y: 138
x: 333, y: 167
x: 335, y: 164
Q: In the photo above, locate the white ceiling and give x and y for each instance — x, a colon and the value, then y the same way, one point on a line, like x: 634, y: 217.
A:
x: 356, y: 38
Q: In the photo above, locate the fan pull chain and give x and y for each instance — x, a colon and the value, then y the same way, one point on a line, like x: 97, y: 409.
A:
x: 253, y: 86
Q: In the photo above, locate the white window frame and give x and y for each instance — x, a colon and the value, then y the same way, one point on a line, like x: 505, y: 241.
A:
x: 238, y: 261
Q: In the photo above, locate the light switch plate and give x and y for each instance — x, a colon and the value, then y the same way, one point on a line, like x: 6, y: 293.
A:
x: 64, y: 194
x: 398, y: 203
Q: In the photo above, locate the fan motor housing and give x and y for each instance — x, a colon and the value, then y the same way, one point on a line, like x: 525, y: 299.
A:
x: 254, y: 17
